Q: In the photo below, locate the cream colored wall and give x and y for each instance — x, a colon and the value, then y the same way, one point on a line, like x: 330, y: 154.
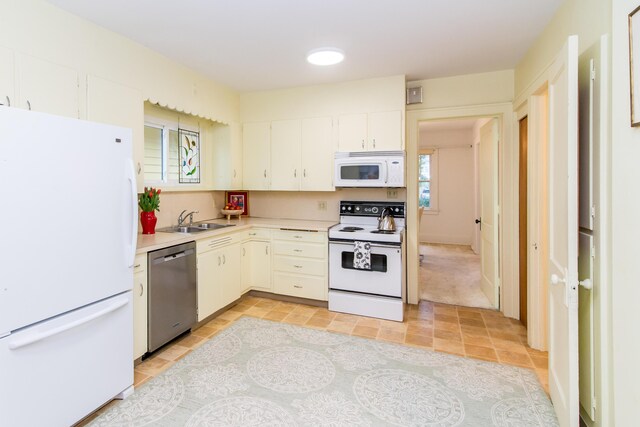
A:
x: 360, y: 96
x: 36, y: 28
x: 625, y: 211
x: 208, y: 203
x: 587, y: 18
x: 470, y: 89
x: 452, y: 222
x: 304, y: 205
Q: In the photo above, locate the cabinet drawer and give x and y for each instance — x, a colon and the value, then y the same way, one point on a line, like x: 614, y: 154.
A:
x: 300, y: 249
x: 300, y: 286
x: 300, y: 265
x: 140, y: 263
x: 300, y: 235
x: 259, y: 234
x: 210, y: 244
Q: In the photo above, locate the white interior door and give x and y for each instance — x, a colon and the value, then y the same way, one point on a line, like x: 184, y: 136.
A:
x: 563, y: 234
x: 489, y: 211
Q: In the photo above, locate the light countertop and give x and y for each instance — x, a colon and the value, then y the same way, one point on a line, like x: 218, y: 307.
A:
x: 160, y: 240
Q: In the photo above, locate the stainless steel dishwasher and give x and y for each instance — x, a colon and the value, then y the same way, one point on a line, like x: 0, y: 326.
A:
x: 172, y: 293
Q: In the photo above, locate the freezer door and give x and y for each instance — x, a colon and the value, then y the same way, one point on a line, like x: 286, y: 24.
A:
x: 68, y: 217
x: 58, y: 371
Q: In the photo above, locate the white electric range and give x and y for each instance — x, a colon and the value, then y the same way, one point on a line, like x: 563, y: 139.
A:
x: 380, y: 290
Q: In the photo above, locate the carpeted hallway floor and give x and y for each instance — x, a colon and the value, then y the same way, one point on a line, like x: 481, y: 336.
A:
x: 450, y: 274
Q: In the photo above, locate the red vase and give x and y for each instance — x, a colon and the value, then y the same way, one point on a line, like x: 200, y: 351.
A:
x: 148, y: 221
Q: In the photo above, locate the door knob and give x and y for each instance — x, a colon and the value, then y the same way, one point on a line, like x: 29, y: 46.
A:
x: 555, y: 279
x: 478, y: 220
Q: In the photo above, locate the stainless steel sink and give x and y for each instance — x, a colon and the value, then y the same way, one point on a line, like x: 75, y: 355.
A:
x: 213, y: 226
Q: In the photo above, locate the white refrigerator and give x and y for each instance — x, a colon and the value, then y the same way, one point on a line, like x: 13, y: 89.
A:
x: 68, y: 226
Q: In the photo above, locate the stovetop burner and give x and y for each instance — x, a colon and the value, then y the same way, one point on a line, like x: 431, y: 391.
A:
x: 351, y: 229
x: 383, y: 231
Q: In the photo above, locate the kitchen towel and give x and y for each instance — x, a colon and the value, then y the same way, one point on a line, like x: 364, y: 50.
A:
x: 362, y: 255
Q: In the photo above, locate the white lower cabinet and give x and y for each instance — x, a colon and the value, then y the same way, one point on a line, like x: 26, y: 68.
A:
x: 256, y: 261
x: 140, y: 306
x: 219, y: 264
x: 300, y: 264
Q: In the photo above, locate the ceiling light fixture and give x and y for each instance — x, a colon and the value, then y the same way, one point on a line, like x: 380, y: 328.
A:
x: 325, y: 56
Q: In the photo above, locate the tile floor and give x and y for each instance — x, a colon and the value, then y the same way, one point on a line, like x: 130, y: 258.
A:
x: 469, y: 332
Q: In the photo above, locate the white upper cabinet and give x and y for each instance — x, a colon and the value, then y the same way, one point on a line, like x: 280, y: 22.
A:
x: 227, y: 157
x: 256, y: 172
x: 116, y: 104
x: 7, y: 81
x: 47, y: 87
x: 380, y: 131
x: 300, y: 153
x: 352, y: 132
x: 385, y: 131
x: 285, y: 154
x: 316, y: 153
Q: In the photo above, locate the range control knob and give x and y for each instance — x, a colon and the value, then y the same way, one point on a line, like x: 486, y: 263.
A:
x: 344, y: 208
x: 374, y: 209
x: 397, y: 210
x: 357, y: 208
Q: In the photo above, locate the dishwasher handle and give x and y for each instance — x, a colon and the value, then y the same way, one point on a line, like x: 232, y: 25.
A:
x: 173, y: 256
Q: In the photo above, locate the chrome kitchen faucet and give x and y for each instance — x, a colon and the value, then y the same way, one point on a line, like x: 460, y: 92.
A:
x: 182, y: 218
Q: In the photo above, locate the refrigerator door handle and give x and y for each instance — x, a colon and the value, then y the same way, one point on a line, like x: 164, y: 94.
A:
x: 39, y: 336
x: 134, y: 212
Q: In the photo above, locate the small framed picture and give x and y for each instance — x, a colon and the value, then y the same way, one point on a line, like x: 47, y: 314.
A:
x: 634, y: 65
x: 239, y: 199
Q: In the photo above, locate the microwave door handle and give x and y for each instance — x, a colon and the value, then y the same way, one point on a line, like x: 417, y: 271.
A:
x: 386, y: 172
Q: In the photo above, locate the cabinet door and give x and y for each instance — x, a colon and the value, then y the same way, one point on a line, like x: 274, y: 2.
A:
x: 116, y: 104
x: 47, y: 87
x: 260, y: 255
x: 209, y: 271
x: 7, y: 81
x: 352, y: 132
x: 226, y: 156
x: 317, y: 154
x: 285, y: 155
x: 255, y: 147
x: 385, y: 131
x: 245, y: 267
x: 139, y: 313
x: 230, y: 280
x: 235, y: 173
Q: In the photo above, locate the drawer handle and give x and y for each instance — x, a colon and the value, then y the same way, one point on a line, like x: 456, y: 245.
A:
x: 244, y: 251
x: 297, y: 250
x: 141, y: 289
x: 224, y: 259
x: 297, y: 237
x: 266, y: 250
x: 136, y: 266
x: 297, y: 286
x: 297, y: 266
x: 219, y: 260
x: 252, y: 234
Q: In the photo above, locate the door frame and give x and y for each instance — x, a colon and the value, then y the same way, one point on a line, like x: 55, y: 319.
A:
x: 507, y: 196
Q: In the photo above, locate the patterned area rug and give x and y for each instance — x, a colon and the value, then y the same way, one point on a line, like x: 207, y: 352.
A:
x: 262, y: 373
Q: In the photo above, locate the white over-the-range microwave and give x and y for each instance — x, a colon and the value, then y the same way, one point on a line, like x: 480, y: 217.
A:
x: 369, y: 169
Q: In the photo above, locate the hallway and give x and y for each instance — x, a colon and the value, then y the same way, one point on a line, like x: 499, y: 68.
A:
x: 450, y: 274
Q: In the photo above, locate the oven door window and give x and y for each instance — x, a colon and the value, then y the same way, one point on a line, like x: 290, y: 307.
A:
x: 378, y: 262
x: 363, y: 172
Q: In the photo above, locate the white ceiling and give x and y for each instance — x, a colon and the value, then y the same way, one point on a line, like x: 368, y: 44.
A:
x: 262, y: 44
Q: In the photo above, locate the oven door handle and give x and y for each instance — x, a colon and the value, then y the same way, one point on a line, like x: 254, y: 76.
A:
x: 373, y: 244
